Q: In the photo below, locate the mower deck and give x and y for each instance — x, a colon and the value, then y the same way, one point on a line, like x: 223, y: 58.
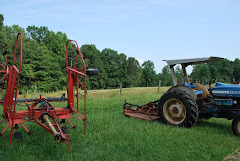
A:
x: 148, y: 111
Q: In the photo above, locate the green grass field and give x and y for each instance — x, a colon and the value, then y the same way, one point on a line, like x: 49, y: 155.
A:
x: 112, y: 136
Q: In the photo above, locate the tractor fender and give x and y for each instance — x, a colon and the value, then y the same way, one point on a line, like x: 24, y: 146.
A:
x: 185, y: 89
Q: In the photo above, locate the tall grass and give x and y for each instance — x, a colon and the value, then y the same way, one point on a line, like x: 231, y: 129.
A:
x: 112, y: 136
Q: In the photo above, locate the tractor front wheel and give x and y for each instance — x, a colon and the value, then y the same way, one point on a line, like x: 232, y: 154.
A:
x: 236, y: 125
x: 178, y: 108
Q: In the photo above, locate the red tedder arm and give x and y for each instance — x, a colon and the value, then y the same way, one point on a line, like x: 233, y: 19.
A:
x: 13, y: 78
x: 12, y: 87
x: 73, y: 74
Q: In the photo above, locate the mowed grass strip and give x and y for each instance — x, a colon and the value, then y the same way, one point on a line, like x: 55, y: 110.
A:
x: 112, y: 136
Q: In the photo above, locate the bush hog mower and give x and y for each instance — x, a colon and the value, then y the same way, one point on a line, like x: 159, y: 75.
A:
x: 40, y: 110
x: 186, y: 102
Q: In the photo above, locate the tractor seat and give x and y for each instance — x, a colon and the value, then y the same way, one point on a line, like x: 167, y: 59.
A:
x: 197, y: 92
x: 189, y: 85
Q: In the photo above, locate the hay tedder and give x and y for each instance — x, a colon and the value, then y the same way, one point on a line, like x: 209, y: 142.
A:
x: 186, y: 102
x: 40, y: 110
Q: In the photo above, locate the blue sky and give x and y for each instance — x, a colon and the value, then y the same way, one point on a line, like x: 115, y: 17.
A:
x: 145, y: 29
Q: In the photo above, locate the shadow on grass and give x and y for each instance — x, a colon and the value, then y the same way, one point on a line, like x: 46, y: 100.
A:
x: 216, y: 125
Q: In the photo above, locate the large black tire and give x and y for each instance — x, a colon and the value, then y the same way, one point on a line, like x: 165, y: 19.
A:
x: 178, y: 108
x: 236, y: 125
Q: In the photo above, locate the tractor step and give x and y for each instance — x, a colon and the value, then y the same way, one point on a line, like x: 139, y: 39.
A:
x: 148, y: 111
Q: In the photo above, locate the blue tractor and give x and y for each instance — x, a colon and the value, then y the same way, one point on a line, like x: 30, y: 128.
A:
x: 186, y: 102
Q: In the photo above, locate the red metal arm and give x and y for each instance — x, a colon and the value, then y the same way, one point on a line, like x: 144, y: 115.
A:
x: 73, y: 74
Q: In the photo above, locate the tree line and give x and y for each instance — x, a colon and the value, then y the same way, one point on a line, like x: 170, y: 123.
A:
x: 44, y: 63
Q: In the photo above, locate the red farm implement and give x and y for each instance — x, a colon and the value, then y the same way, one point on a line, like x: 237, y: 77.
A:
x: 40, y: 110
x: 148, y: 111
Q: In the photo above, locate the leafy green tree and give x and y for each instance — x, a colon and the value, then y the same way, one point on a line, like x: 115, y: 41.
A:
x: 148, y: 74
x: 122, y: 68
x: 165, y: 76
x: 201, y: 72
x: 44, y: 62
x: 110, y: 59
x: 215, y: 74
x: 92, y: 58
x: 1, y: 20
x: 236, y: 69
x: 37, y: 33
x: 179, y: 72
x: 222, y: 70
x: 29, y: 63
x: 134, y: 72
x: 1, y: 25
x: 17, y: 29
x: 56, y: 42
x: 226, y: 69
x: 47, y: 72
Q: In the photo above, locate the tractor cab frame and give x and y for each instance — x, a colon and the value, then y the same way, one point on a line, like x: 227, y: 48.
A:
x: 186, y: 62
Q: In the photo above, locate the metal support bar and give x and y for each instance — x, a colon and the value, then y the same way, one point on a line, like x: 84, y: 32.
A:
x: 185, y: 73
x: 174, y: 77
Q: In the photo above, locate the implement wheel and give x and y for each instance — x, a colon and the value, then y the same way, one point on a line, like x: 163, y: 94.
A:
x: 236, y: 125
x: 65, y: 130
x: 18, y: 136
x: 178, y: 108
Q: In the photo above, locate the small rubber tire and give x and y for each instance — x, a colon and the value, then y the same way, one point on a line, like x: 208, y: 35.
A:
x: 236, y: 125
x: 65, y: 130
x: 18, y: 136
x: 92, y: 72
x: 178, y: 108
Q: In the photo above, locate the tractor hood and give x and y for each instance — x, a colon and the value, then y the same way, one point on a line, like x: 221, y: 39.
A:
x: 226, y: 90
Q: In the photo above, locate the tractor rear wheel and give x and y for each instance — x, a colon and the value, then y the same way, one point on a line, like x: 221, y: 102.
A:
x: 178, y: 108
x: 236, y: 125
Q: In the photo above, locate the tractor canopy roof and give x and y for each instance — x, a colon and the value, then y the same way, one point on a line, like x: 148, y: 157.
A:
x: 193, y: 61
